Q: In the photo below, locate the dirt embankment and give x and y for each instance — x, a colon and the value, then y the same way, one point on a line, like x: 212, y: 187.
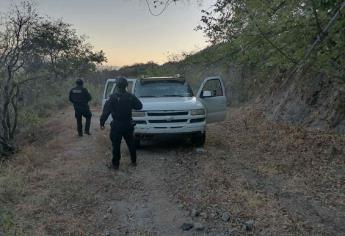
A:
x: 310, y: 99
x: 253, y: 178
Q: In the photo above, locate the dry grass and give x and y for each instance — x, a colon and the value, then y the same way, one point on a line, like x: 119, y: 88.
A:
x: 35, y: 185
x: 58, y: 184
x: 288, y: 179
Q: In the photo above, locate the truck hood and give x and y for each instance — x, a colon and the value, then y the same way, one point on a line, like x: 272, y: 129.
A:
x: 171, y: 103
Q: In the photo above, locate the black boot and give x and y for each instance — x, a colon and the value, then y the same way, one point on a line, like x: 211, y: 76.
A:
x: 87, y: 126
x: 79, y: 125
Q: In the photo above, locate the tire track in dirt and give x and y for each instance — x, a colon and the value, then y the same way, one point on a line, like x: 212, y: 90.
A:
x: 132, y: 201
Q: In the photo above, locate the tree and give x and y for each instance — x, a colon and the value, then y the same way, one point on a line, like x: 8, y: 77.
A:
x: 33, y: 48
x: 277, y: 35
x: 14, y: 46
x: 62, y: 51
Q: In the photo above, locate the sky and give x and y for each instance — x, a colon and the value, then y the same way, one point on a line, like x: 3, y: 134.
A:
x: 126, y: 31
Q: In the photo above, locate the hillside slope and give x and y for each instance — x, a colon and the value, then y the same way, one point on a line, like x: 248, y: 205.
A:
x: 311, y: 100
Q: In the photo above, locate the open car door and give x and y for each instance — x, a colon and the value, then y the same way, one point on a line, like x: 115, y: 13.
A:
x: 110, y: 87
x: 212, y: 95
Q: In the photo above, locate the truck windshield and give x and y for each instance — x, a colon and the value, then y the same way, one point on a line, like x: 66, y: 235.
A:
x: 163, y: 88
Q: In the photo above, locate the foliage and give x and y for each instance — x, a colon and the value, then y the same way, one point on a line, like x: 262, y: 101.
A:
x: 33, y: 47
x: 68, y: 54
x: 96, y: 91
x: 275, y: 35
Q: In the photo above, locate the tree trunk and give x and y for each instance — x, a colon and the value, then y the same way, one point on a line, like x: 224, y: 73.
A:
x: 14, y: 104
x: 10, y: 91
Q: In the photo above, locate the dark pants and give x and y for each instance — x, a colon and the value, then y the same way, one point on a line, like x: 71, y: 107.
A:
x: 79, y: 114
x: 117, y: 132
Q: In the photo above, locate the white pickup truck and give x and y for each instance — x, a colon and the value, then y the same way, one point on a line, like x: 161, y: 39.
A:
x: 170, y: 107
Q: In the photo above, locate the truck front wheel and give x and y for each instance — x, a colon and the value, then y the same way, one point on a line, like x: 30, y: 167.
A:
x: 137, y: 142
x: 199, y: 139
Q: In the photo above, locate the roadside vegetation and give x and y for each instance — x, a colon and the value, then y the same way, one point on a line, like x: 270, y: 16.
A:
x: 38, y: 56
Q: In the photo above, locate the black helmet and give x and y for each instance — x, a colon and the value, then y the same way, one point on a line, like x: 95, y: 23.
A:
x: 79, y: 82
x: 121, y: 82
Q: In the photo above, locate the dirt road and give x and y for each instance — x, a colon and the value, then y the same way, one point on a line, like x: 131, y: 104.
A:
x: 251, y: 179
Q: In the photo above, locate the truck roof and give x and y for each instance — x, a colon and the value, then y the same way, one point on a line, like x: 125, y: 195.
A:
x: 162, y: 78
x: 128, y: 78
x: 177, y: 78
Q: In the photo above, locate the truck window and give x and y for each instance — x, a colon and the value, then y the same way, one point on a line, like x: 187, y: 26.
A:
x: 163, y: 88
x: 214, y: 86
x: 130, y: 86
x: 108, y: 89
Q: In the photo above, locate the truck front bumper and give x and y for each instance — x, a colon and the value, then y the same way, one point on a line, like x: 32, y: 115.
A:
x: 151, y: 129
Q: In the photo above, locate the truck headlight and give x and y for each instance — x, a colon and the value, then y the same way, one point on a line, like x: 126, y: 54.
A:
x: 138, y: 114
x: 197, y: 112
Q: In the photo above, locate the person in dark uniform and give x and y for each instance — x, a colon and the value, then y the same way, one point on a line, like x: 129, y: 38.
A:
x: 80, y: 98
x: 120, y: 105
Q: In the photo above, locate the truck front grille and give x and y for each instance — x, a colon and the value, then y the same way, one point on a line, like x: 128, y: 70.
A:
x: 168, y: 113
x: 197, y: 120
x: 168, y: 121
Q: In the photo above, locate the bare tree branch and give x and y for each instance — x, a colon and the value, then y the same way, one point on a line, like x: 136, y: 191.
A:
x: 14, y: 103
x: 277, y: 8
x: 316, y: 16
x: 155, y: 3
